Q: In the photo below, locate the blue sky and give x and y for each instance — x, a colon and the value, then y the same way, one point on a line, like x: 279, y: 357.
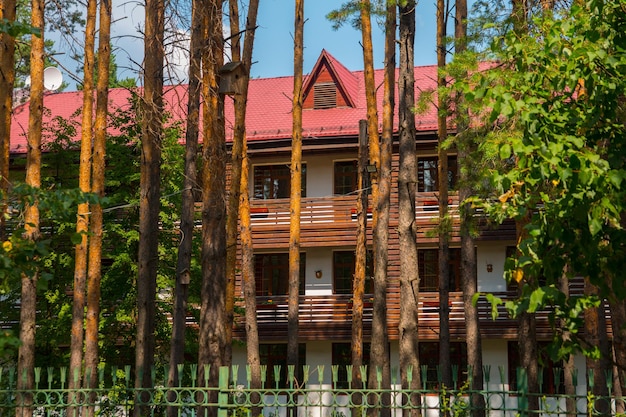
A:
x: 273, y: 55
x: 274, y: 37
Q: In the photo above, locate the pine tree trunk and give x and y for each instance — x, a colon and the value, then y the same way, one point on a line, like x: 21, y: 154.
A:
x: 442, y: 173
x: 240, y: 100
x: 82, y: 218
x: 212, y: 336
x: 407, y: 183
x: 296, y: 186
x: 185, y: 247
x: 97, y: 221
x: 7, y: 80
x: 360, y: 266
x: 149, y: 204
x: 249, y: 283
x: 28, y: 300
x: 378, y: 348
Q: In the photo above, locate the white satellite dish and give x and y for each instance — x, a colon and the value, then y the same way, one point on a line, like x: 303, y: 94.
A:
x: 52, y: 78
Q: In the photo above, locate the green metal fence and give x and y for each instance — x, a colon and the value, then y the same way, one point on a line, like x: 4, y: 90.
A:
x: 314, y: 394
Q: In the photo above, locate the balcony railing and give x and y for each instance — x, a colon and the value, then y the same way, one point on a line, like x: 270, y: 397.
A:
x: 337, y: 209
x: 323, y: 316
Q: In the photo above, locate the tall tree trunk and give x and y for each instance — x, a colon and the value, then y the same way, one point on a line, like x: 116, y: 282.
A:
x: 82, y: 218
x: 407, y: 183
x: 183, y: 266
x: 249, y: 283
x: 469, y: 279
x: 149, y: 205
x: 212, y: 337
x: 360, y: 264
x: 296, y: 187
x: 7, y: 79
x: 442, y: 173
x: 596, y: 335
x: 381, y: 226
x: 379, y: 360
x: 240, y: 100
x: 98, y: 184
x: 28, y: 300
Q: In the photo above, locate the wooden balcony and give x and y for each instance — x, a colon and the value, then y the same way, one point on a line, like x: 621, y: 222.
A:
x: 331, y: 221
x: 329, y: 317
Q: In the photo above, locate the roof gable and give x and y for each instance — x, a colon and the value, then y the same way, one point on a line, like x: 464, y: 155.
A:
x: 330, y: 84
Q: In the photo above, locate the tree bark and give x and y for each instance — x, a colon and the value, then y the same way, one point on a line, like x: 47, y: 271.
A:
x: 469, y: 279
x: 28, y: 300
x: 98, y: 185
x: 360, y: 265
x: 249, y: 283
x: 296, y: 187
x: 407, y: 183
x: 378, y: 358
x: 82, y: 218
x: 7, y: 80
x: 240, y: 100
x: 568, y: 362
x: 149, y: 204
x: 442, y: 173
x: 212, y: 337
x: 190, y: 185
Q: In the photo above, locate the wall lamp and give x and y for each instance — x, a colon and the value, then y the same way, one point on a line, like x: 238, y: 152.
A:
x: 318, y: 274
x: 370, y: 168
x: 489, y: 267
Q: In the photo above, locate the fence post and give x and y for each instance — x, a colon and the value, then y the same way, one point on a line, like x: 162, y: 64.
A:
x: 222, y: 396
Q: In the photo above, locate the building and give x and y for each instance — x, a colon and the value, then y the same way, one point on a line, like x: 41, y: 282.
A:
x: 333, y: 105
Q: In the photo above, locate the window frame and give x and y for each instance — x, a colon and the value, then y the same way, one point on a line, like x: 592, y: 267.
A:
x: 282, y: 268
x: 282, y: 188
x: 454, y: 282
x: 369, y: 269
x: 433, y: 169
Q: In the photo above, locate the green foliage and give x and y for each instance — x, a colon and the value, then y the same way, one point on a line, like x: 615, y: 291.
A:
x: 555, y: 99
x: 16, y: 29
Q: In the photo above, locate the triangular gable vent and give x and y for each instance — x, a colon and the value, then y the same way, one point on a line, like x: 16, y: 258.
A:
x: 329, y: 85
x: 324, y: 95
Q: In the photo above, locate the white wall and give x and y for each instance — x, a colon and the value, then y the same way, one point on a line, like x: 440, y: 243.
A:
x: 493, y: 253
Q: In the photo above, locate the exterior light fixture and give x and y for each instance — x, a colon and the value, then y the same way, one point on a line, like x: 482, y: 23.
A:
x: 370, y: 168
x: 489, y: 267
x: 318, y: 274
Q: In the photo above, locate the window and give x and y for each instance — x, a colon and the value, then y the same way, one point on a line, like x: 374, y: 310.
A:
x: 274, y: 181
x: 429, y: 356
x: 427, y: 178
x: 346, y: 179
x: 271, y: 271
x: 428, y: 262
x: 342, y: 356
x: 344, y: 263
x: 276, y: 354
x: 549, y: 368
x: 325, y: 96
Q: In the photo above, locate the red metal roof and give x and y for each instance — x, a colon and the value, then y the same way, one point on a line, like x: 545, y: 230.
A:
x: 268, y: 113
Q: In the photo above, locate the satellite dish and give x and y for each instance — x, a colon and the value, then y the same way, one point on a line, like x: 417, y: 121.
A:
x: 52, y: 78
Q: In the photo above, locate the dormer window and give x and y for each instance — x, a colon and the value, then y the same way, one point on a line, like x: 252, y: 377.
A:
x: 325, y: 96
